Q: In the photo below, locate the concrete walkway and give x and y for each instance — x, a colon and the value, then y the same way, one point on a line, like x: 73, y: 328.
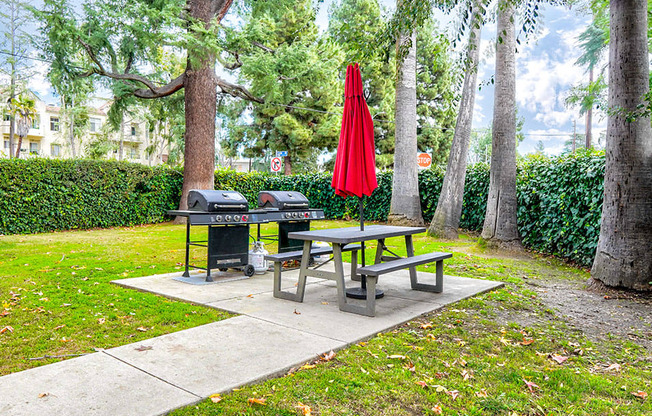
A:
x: 269, y: 337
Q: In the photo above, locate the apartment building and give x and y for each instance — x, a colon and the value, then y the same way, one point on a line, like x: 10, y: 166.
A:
x: 49, y: 136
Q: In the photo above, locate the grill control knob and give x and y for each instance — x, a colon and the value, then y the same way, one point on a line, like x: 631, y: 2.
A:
x: 295, y: 214
x: 288, y: 215
x: 227, y: 218
x: 245, y: 218
x: 306, y: 214
x: 218, y: 218
x: 236, y: 218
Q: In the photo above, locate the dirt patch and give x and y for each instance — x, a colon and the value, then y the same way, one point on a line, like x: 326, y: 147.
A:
x: 599, y: 312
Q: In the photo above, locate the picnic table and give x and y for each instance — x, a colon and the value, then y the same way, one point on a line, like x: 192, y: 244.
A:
x: 340, y: 238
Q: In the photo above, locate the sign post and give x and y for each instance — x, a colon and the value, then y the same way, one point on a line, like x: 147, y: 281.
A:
x: 424, y: 160
x: 275, y: 164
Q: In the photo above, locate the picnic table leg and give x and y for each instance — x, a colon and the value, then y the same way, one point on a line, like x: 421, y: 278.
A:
x: 305, y: 263
x: 369, y: 309
x: 379, y: 251
x: 439, y: 283
x: 354, y: 266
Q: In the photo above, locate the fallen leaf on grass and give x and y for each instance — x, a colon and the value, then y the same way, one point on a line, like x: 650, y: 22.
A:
x: 439, y: 388
x: 559, y: 359
x: 215, y: 398
x: 329, y: 356
x: 141, y: 329
x: 640, y: 394
x: 305, y: 409
x: 453, y: 394
x: 144, y: 348
x: 257, y: 401
x: 4, y: 313
x: 526, y: 341
x: 466, y: 374
x: 422, y: 384
x: 58, y: 327
x: 410, y: 366
x: 307, y: 367
x: 101, y: 320
x: 426, y: 326
x: 482, y: 393
x: 462, y: 362
x: 437, y: 410
x: 530, y: 385
x: 397, y: 356
x: 5, y: 329
x: 613, y: 367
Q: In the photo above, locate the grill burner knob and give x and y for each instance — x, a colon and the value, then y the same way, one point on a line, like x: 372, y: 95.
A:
x: 245, y: 218
x: 295, y: 214
x: 288, y: 215
x: 236, y: 218
x: 227, y: 218
x: 306, y: 214
x: 218, y: 218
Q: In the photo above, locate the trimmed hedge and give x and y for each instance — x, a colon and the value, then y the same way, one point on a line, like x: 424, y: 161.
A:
x: 560, y: 199
x: 42, y: 195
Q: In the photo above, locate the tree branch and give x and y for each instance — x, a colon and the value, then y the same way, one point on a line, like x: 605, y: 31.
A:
x: 157, y: 92
x: 263, y: 47
x: 237, y: 91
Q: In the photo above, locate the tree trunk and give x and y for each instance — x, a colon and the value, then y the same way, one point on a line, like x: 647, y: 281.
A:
x: 624, y: 252
x: 405, y: 205
x: 589, y: 116
x: 72, y: 128
x: 20, y: 143
x: 500, y: 224
x: 449, y: 207
x: 200, y: 107
x: 287, y: 168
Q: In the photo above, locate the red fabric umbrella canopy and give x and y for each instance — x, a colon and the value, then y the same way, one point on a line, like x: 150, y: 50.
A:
x: 355, y: 163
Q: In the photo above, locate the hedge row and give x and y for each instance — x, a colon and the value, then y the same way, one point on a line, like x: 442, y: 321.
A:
x: 560, y: 199
x: 42, y: 195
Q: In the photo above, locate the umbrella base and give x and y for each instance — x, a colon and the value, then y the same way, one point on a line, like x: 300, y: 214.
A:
x: 360, y: 293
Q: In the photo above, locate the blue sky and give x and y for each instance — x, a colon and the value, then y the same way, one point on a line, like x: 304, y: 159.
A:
x: 545, y: 71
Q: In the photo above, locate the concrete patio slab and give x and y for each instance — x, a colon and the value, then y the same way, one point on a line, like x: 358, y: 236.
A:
x: 95, y: 384
x: 223, y: 355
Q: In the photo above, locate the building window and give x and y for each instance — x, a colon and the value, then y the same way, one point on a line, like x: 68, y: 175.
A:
x: 54, y: 123
x: 36, y: 123
x: 6, y: 144
x: 55, y: 150
x: 7, y: 117
x: 133, y: 131
x: 134, y: 153
x: 96, y: 123
x: 33, y: 148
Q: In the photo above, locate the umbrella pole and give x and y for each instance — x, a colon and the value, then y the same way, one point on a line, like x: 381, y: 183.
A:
x: 361, y: 292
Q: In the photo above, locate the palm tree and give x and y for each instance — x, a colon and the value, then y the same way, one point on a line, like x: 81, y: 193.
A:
x: 449, y: 207
x: 624, y: 253
x: 500, y: 224
x: 24, y: 112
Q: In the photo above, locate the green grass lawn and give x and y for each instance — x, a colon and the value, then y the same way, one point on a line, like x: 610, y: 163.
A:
x: 501, y: 353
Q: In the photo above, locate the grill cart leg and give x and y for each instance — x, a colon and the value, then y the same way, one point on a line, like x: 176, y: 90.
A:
x: 208, y: 259
x: 186, y: 273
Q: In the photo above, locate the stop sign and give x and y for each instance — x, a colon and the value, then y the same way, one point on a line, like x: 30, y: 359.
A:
x: 424, y: 160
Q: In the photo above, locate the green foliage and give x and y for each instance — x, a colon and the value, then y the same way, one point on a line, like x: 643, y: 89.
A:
x: 560, y: 198
x: 560, y: 203
x: 41, y: 195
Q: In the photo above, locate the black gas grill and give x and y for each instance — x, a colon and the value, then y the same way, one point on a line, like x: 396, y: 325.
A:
x: 228, y: 219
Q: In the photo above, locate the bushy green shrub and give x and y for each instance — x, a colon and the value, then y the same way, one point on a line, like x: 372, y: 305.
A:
x: 560, y: 198
x: 40, y: 195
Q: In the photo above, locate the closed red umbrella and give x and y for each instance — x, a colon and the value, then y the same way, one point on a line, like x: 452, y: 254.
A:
x: 355, y: 162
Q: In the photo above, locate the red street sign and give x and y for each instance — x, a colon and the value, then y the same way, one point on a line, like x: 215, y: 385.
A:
x: 424, y: 160
x: 275, y: 164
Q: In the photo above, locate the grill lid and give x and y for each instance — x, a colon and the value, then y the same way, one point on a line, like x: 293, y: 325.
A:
x: 216, y: 201
x: 282, y: 200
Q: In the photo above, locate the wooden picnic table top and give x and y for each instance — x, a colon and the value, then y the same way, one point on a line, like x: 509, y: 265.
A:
x: 354, y: 234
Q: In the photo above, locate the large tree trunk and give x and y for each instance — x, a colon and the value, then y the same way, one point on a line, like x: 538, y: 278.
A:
x: 589, y: 117
x: 287, y: 165
x: 624, y: 252
x: 449, y: 207
x: 500, y: 225
x: 201, y: 106
x: 405, y: 205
